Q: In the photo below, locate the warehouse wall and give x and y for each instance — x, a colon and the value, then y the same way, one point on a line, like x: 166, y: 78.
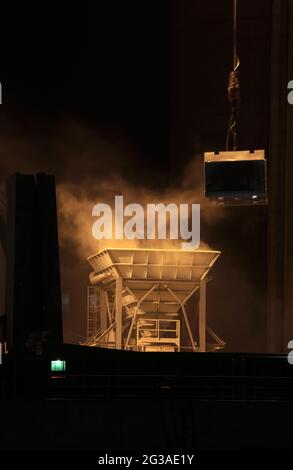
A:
x: 280, y: 173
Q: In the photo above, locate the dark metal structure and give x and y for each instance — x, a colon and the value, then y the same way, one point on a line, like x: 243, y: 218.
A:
x: 33, y: 295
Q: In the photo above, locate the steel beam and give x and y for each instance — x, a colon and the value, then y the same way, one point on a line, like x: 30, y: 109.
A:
x: 118, y: 313
x: 202, y: 316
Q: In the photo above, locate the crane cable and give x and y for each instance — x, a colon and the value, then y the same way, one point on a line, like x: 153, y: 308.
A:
x: 234, y: 89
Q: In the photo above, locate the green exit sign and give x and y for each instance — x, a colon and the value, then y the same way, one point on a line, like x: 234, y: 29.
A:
x: 58, y: 366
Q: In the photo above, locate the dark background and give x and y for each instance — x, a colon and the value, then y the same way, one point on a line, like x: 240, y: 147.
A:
x: 144, y: 83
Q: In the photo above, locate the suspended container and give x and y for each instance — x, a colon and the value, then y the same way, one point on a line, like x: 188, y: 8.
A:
x: 236, y: 177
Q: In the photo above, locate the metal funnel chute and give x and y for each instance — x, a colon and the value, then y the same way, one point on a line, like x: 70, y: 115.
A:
x: 138, y: 299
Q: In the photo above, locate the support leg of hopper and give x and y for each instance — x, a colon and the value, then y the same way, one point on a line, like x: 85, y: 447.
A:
x: 118, y: 312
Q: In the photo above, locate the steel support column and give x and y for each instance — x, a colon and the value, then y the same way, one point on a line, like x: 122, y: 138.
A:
x: 118, y: 312
x: 202, y: 316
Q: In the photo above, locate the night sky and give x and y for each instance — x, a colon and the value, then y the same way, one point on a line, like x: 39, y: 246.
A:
x: 138, y: 89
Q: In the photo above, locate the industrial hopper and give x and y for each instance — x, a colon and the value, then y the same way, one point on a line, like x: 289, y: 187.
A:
x: 138, y: 300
